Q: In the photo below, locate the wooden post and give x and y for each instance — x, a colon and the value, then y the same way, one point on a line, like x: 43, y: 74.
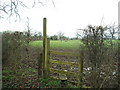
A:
x: 80, y: 75
x: 119, y: 45
x: 40, y: 68
x: 45, y: 50
x: 44, y: 45
x: 48, y: 53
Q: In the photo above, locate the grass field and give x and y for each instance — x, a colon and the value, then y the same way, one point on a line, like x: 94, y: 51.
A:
x: 70, y: 44
x: 57, y: 44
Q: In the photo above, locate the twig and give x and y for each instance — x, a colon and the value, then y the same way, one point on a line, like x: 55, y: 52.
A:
x: 103, y: 81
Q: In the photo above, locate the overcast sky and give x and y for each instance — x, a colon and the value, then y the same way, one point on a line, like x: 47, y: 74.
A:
x: 67, y: 16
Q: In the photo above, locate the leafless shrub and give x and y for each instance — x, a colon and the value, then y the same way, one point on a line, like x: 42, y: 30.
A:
x: 100, y: 57
x: 12, y: 43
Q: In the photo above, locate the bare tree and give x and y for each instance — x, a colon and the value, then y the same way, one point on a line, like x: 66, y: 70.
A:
x: 113, y: 30
x: 12, y: 7
x: 78, y: 35
x: 60, y: 35
x: 28, y: 30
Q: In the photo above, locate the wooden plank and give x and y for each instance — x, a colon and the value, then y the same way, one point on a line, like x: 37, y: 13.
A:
x: 65, y: 53
x: 62, y: 72
x: 64, y: 62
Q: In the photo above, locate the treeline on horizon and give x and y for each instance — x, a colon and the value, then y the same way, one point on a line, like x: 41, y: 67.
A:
x: 110, y: 32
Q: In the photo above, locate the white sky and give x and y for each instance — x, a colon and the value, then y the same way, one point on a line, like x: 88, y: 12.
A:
x: 67, y: 16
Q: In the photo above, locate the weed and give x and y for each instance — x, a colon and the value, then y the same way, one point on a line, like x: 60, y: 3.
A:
x: 9, y: 77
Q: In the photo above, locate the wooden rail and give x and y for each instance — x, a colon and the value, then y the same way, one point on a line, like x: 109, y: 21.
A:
x: 62, y: 71
x: 73, y: 64
x: 64, y: 62
x: 65, y: 53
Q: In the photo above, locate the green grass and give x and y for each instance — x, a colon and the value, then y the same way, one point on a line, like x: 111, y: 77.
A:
x: 113, y: 42
x: 70, y: 44
x: 49, y: 83
x: 36, y: 43
x: 7, y: 75
x: 53, y: 83
x: 57, y: 44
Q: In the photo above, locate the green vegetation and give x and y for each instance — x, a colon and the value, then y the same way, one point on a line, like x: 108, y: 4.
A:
x: 114, y: 42
x: 9, y: 77
x: 53, y: 83
x: 57, y: 44
x: 70, y: 44
x: 22, y: 71
x: 49, y: 83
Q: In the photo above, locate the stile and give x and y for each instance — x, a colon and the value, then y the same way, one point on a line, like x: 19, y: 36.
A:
x: 44, y: 61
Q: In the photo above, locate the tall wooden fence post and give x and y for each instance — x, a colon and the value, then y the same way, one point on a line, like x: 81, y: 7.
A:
x: 45, y: 50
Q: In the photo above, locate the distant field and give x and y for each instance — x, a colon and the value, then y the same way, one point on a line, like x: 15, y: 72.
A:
x: 70, y: 44
x: 57, y: 44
